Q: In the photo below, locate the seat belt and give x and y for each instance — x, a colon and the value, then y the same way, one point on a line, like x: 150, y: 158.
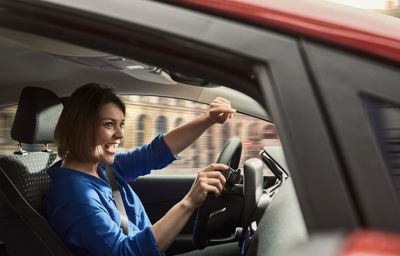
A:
x: 118, y: 199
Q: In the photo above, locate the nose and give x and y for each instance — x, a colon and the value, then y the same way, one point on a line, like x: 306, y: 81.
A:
x: 119, y: 132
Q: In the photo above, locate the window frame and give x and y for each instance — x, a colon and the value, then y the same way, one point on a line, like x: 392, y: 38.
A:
x: 274, y: 60
x: 343, y: 80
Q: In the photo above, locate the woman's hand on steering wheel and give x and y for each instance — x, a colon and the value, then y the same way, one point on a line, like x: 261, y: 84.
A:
x: 230, y: 155
x: 209, y: 180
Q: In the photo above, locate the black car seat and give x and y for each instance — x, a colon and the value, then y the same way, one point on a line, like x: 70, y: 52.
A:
x: 24, y: 181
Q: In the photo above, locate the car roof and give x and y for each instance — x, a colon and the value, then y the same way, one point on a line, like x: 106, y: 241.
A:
x: 62, y: 67
x: 366, y: 31
x: 304, y: 18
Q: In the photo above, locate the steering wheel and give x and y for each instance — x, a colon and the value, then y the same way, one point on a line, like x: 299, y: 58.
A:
x: 214, y: 218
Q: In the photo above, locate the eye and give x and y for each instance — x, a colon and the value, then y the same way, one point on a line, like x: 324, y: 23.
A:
x: 122, y: 125
x: 108, y: 125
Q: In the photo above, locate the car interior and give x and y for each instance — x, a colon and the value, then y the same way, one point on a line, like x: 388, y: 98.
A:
x: 256, y: 213
x: 24, y: 179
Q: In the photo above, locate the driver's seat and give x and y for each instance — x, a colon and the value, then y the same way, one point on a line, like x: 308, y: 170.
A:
x: 24, y: 181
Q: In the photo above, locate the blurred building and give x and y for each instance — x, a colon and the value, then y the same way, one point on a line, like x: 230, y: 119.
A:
x: 147, y: 116
x: 392, y: 8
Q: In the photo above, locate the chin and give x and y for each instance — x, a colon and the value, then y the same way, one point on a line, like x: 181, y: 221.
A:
x: 107, y: 160
x: 110, y: 161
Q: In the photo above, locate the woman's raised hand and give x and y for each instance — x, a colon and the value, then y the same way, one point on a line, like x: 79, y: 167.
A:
x: 220, y: 110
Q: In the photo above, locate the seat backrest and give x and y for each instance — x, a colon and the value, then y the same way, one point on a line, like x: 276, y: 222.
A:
x: 28, y: 175
x: 24, y: 180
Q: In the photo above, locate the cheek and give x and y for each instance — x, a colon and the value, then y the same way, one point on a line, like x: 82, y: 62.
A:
x: 102, y: 136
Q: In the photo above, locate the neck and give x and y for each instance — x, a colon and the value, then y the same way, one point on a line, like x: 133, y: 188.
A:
x: 86, y: 167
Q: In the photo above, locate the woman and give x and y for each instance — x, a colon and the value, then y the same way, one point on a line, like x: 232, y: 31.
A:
x: 79, y: 204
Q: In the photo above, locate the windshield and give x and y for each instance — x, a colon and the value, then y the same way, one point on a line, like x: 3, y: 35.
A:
x: 389, y: 7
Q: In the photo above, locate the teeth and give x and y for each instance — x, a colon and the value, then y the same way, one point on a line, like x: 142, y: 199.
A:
x: 111, y: 147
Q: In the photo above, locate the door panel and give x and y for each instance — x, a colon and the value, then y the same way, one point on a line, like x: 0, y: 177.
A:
x: 159, y: 193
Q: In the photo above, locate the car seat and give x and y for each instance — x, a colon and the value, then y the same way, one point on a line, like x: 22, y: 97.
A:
x: 24, y: 180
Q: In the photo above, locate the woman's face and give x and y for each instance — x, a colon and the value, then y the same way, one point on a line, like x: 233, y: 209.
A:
x: 110, y: 133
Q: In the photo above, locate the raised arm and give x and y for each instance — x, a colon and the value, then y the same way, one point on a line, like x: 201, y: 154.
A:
x: 181, y: 137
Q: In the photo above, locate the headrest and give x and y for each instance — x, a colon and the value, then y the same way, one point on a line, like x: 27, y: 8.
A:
x: 37, y: 116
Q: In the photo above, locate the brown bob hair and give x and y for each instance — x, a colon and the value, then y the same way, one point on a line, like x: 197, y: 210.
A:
x: 77, y: 128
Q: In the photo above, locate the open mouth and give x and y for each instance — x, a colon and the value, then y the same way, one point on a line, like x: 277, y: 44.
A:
x: 111, y: 148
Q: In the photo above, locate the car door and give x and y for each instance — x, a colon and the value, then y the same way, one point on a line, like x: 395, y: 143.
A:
x: 360, y: 95
x: 266, y: 64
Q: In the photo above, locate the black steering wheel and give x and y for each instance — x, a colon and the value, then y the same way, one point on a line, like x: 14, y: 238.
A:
x: 214, y: 218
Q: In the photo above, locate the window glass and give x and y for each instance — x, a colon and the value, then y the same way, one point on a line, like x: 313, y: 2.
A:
x: 253, y: 139
x: 145, y: 119
x: 7, y: 144
x: 210, y: 146
x: 253, y: 132
x: 178, y: 121
x: 388, y: 7
x: 226, y: 134
x: 385, y: 120
x: 161, y: 124
x: 141, y: 128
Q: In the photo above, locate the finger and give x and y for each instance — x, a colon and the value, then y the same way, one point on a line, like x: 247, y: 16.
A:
x: 213, y: 175
x: 222, y: 118
x: 225, y: 116
x: 221, y: 99
x: 207, y: 188
x: 219, y: 104
x: 216, y: 182
x: 223, y: 110
x: 216, y: 167
x: 216, y: 174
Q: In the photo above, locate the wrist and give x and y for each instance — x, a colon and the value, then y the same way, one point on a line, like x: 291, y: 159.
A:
x: 187, y: 205
x: 208, y: 119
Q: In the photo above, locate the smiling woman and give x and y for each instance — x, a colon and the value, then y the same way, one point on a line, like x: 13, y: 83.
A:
x: 315, y: 68
x: 110, y: 131
x: 81, y: 128
x: 80, y: 204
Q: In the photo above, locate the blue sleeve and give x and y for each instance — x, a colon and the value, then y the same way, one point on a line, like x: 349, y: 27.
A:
x: 95, y: 233
x: 140, y: 161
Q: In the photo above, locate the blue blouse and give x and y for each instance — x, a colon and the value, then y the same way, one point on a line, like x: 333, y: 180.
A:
x: 82, y: 211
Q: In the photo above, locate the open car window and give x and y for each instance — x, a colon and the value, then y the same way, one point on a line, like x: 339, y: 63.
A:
x: 7, y: 145
x: 147, y: 116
